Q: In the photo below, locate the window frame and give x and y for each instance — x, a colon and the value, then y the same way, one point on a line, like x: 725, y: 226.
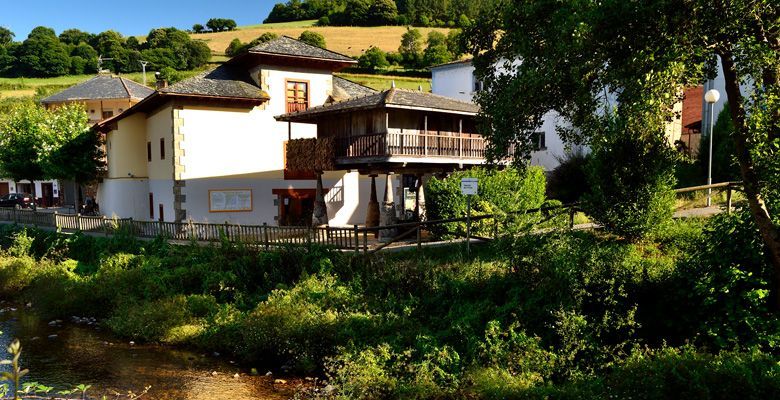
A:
x: 307, y: 93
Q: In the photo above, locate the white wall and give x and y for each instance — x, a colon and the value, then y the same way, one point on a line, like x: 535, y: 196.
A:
x: 455, y: 80
x: 347, y: 197
x: 124, y: 198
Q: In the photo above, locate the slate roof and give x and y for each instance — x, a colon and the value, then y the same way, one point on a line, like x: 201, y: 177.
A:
x: 452, y: 63
x: 392, y: 98
x: 224, y: 81
x: 287, y: 46
x: 344, y: 89
x: 102, y: 87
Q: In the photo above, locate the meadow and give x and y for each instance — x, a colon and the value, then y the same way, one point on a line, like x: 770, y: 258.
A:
x: 348, y: 40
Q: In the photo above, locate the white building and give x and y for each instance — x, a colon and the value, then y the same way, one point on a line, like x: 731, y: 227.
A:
x: 209, y: 149
x: 457, y: 80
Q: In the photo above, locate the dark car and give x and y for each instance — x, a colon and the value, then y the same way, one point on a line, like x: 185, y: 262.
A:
x: 16, y: 200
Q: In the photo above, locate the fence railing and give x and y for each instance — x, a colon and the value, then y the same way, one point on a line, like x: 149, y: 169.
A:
x: 447, y: 144
x: 355, y: 238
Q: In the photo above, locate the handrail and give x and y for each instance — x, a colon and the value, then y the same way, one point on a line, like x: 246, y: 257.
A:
x: 705, y: 187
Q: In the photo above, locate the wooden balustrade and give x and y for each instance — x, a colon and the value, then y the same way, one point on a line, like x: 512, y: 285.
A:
x: 451, y: 145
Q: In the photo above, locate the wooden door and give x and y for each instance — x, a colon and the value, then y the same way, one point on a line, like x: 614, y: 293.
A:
x: 47, y: 194
x: 4, y: 188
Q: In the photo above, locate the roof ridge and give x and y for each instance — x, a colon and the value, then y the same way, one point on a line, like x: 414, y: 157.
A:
x: 389, y: 95
x: 124, y: 85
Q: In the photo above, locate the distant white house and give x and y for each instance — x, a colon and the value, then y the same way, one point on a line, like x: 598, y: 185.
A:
x: 457, y: 80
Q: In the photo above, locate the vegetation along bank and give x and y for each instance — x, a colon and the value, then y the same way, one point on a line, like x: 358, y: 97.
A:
x: 682, y: 313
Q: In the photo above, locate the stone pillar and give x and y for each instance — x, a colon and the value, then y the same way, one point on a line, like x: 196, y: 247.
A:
x: 387, y: 215
x: 419, y: 199
x: 372, y: 213
x: 320, y: 215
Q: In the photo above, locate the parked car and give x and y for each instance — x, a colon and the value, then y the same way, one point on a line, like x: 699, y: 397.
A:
x: 16, y: 200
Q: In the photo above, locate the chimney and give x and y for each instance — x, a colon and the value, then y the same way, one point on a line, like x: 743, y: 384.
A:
x: 161, y: 83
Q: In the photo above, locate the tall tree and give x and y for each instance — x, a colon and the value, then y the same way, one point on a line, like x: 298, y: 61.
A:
x: 42, y: 54
x: 411, y: 46
x: 313, y: 38
x: 24, y: 139
x: 76, y: 152
x: 6, y: 36
x: 575, y: 57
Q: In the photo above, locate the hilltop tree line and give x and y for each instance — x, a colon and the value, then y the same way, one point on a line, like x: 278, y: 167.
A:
x: 44, y: 54
x: 416, y: 52
x: 215, y: 25
x: 441, y: 13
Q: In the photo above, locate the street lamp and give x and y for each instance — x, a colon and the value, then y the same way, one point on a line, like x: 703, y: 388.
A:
x: 711, y: 97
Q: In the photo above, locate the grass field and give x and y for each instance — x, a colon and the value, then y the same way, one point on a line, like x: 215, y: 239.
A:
x: 382, y: 82
x: 23, y: 87
x: 349, y: 40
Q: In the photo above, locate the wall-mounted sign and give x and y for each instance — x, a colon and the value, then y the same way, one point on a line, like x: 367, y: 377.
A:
x: 233, y: 200
x: 468, y: 186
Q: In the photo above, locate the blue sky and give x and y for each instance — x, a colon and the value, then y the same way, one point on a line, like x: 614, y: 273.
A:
x: 135, y: 17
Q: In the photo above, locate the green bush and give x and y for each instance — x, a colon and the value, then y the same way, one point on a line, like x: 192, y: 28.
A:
x: 500, y: 192
x: 631, y: 177
x: 568, y: 181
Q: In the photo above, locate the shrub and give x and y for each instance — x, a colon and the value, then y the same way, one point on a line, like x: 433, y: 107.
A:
x: 631, y: 177
x: 373, y: 59
x: 568, y: 181
x: 312, y: 38
x: 323, y: 21
x: 16, y: 274
x: 163, y: 320
x: 500, y: 192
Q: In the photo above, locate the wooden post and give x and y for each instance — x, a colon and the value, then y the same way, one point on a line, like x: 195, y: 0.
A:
x: 425, y: 137
x: 365, y: 241
x: 105, y: 225
x: 572, y: 211
x: 460, y: 138
x: 56, y: 225
x: 265, y: 235
x: 357, y: 239
x: 728, y: 199
x: 419, y: 237
x: 78, y: 221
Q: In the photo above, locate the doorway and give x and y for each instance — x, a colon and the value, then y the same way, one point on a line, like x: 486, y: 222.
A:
x: 296, y: 206
x: 5, y: 188
x: 47, y: 194
x: 24, y: 188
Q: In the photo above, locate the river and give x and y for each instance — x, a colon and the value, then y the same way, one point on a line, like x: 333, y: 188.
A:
x: 84, y: 354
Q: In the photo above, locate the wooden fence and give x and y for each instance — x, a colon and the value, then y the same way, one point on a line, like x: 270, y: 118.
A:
x: 355, y: 238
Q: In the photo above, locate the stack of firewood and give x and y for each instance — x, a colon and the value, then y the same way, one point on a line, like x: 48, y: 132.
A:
x: 305, y: 155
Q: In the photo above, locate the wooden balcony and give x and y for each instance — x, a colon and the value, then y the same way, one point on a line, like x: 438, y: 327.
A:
x: 440, y: 145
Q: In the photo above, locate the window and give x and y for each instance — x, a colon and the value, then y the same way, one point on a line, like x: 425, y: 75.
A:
x: 539, y: 141
x: 149, y: 151
x: 162, y: 213
x: 478, y: 86
x: 297, y: 96
x: 108, y: 114
x: 151, y: 206
x: 162, y: 148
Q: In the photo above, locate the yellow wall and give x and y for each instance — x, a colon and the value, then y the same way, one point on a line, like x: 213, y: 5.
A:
x: 160, y: 126
x: 95, y: 108
x: 126, y: 148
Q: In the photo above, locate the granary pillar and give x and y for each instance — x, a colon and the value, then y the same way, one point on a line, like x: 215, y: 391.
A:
x: 387, y: 212
x: 320, y: 214
x: 419, y: 199
x: 372, y: 213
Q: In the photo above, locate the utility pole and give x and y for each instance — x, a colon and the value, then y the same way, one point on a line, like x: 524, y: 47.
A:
x: 143, y: 66
x: 100, y: 60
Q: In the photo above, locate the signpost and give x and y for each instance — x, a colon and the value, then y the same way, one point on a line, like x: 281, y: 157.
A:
x: 468, y: 188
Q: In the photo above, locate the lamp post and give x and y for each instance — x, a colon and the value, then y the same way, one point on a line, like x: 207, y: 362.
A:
x: 711, y: 97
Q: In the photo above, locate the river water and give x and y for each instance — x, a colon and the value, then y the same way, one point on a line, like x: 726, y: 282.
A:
x: 83, y: 354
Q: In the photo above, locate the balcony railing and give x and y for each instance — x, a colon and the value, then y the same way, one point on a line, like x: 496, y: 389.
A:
x: 295, y: 107
x: 411, y: 144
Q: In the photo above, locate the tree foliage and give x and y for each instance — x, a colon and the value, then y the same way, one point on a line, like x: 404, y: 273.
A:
x: 374, y: 58
x: 45, y: 54
x: 221, y: 24
x: 583, y: 59
x: 313, y: 38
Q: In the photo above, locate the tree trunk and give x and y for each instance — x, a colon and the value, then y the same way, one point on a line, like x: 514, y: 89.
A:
x: 770, y: 234
x: 34, y: 197
x: 77, y: 197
